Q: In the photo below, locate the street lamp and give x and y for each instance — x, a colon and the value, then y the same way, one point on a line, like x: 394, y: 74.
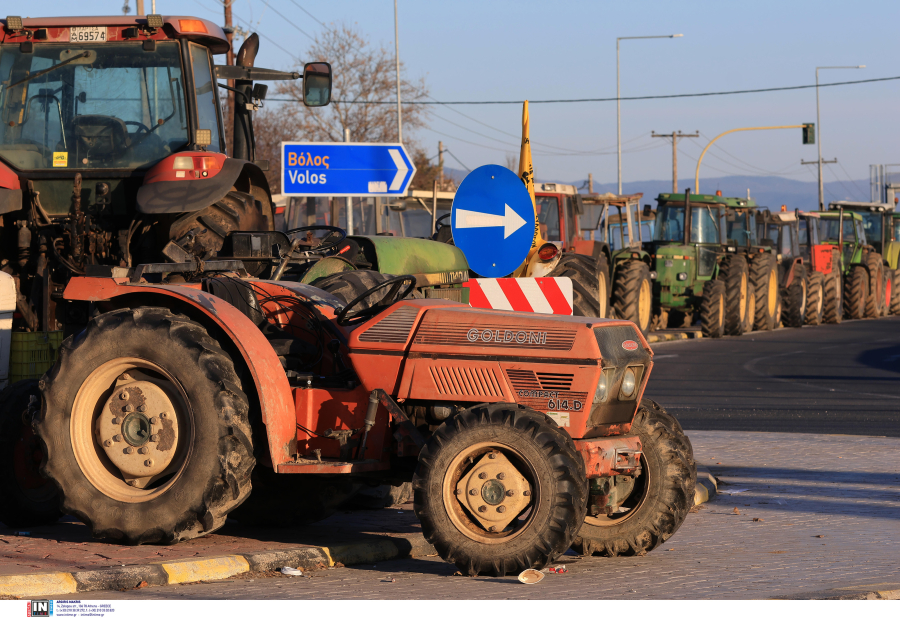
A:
x: 619, y: 99
x: 819, y: 131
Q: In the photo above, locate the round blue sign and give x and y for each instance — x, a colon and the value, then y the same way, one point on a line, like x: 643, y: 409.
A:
x: 493, y: 220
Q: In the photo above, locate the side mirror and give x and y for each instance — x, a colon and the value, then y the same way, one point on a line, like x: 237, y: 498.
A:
x: 316, y: 84
x: 259, y: 92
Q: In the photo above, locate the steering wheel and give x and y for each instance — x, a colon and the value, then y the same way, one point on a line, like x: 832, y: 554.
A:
x: 140, y: 125
x: 328, y: 242
x: 395, y: 293
x: 439, y: 224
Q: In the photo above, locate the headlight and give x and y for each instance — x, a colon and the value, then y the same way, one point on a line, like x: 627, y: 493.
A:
x: 629, y: 382
x: 602, y: 392
x: 681, y: 276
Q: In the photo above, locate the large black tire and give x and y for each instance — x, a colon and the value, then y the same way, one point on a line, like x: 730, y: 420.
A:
x: 541, y: 453
x: 712, y: 309
x: 291, y: 500
x: 834, y: 297
x: 632, y: 294
x: 795, y: 298
x: 203, y: 232
x: 590, y: 283
x: 353, y: 283
x: 662, y: 495
x: 735, y: 272
x: 875, y: 296
x: 856, y: 292
x: 750, y: 318
x: 815, y: 299
x: 895, y: 291
x: 163, y: 364
x: 26, y: 498
x: 764, y: 276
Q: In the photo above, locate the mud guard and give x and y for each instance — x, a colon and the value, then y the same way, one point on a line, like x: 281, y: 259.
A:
x: 274, y: 392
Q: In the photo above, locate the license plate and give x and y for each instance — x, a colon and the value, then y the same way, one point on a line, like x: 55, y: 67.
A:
x: 87, y: 34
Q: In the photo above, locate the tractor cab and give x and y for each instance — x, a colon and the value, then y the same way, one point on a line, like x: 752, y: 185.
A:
x: 876, y: 219
x: 845, y: 230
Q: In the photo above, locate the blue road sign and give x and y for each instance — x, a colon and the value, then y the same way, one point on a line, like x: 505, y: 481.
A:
x: 345, y: 169
x: 493, y: 220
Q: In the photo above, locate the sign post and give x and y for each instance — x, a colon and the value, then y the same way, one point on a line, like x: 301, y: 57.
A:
x: 345, y: 169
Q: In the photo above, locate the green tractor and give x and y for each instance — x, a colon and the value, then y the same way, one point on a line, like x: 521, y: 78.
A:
x: 700, y: 249
x: 891, y: 253
x: 878, y: 226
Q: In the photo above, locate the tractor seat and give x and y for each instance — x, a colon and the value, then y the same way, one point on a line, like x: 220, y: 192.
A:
x: 100, y: 137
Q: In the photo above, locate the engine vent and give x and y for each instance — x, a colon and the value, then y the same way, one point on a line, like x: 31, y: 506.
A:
x: 394, y: 328
x: 466, y: 381
x: 556, y: 381
x: 522, y: 379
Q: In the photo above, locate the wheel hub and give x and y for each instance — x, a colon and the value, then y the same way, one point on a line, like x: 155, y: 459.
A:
x: 494, y: 492
x: 138, y: 430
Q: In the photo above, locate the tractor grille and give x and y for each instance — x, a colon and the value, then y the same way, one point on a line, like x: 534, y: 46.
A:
x: 522, y: 379
x: 445, y: 293
x: 528, y: 380
x: 394, y: 328
x: 556, y: 381
x: 466, y: 381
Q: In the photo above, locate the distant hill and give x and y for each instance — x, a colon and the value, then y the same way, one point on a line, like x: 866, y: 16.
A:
x: 770, y: 191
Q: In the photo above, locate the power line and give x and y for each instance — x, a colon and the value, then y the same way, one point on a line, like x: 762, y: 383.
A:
x: 310, y: 14
x: 457, y: 160
x: 641, y: 98
x: 302, y: 31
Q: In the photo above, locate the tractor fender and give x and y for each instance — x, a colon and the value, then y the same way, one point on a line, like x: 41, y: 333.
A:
x: 791, y: 272
x: 162, y: 195
x: 593, y: 248
x: 10, y: 190
x: 227, y: 325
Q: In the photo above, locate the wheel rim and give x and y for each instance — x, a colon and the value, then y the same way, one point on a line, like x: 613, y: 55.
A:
x: 632, y: 503
x: 644, y: 305
x: 491, y: 505
x: 751, y: 312
x: 742, y: 310
x: 772, y: 296
x: 131, y: 429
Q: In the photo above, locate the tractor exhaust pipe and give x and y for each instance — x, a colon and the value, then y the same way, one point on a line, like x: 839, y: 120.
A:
x: 687, y: 216
x: 242, y: 135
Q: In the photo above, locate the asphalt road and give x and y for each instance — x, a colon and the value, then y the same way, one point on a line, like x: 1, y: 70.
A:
x: 833, y: 379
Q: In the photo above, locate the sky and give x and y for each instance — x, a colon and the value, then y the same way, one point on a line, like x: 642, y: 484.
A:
x: 503, y: 50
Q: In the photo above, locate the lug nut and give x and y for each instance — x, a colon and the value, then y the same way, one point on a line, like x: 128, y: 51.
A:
x: 123, y: 395
x: 501, y: 476
x: 482, y: 476
x: 526, y: 493
x: 125, y: 376
x: 129, y: 450
x: 107, y: 443
x: 117, y: 438
x: 148, y: 463
x: 492, y: 456
x: 501, y: 508
x: 154, y: 438
x: 143, y: 450
x: 473, y: 492
x: 129, y: 407
x: 510, y: 493
x: 163, y: 415
x: 142, y: 408
x: 116, y: 420
x: 132, y: 482
x: 154, y: 420
x: 482, y: 509
x: 457, y: 491
x: 491, y: 529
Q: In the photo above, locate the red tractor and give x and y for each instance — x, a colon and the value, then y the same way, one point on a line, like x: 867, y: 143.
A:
x: 522, y: 434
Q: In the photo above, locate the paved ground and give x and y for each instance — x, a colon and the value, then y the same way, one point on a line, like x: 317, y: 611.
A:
x: 842, y: 378
x: 829, y: 511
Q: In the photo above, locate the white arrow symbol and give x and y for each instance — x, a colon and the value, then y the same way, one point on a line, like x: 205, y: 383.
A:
x: 401, y: 169
x: 510, y: 221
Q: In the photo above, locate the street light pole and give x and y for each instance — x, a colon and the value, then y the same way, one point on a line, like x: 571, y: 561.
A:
x: 819, y: 132
x: 619, y: 99
x: 397, y: 58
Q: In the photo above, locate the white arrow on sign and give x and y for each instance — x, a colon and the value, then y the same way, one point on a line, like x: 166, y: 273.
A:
x: 401, y: 169
x: 510, y: 221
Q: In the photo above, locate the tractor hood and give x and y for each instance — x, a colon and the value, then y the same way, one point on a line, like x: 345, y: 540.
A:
x: 402, y: 256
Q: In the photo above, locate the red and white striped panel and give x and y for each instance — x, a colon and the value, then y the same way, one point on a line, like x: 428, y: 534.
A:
x: 534, y: 295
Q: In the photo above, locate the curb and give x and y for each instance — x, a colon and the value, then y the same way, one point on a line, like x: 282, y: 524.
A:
x: 656, y: 338
x: 206, y: 569
x: 706, y: 487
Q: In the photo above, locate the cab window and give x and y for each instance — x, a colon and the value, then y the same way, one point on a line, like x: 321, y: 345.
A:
x: 548, y: 217
x: 204, y: 91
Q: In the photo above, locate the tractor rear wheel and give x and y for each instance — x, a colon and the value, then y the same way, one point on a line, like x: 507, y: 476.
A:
x: 661, y: 496
x: 203, y: 232
x: 833, y: 297
x: 895, y: 291
x: 590, y: 283
x: 815, y: 299
x: 795, y: 299
x: 735, y: 272
x: 875, y: 297
x: 632, y: 295
x: 146, y: 428
x: 26, y: 498
x: 499, y: 488
x: 856, y: 291
x: 764, y: 275
x: 712, y: 309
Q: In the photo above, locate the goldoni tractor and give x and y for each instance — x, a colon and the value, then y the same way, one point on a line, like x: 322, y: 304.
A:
x: 223, y: 395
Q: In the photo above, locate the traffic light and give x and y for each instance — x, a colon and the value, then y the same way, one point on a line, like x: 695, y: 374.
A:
x: 809, y: 133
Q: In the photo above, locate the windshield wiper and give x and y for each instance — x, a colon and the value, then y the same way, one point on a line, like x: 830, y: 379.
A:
x: 84, y: 54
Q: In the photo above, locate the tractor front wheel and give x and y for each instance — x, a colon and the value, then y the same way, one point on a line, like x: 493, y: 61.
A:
x: 764, y: 275
x: 895, y: 291
x: 815, y: 299
x: 856, y: 292
x: 712, y: 309
x: 834, y: 298
x: 657, y: 500
x: 632, y: 295
x: 146, y: 428
x: 735, y: 272
x: 499, y: 488
x: 795, y: 299
x: 875, y: 297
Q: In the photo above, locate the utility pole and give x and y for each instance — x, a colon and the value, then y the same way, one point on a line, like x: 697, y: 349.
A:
x: 441, y: 165
x: 140, y: 7
x: 397, y: 58
x: 349, y: 200
x: 820, y: 162
x: 675, y: 137
x: 229, y: 60
x: 590, y: 184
